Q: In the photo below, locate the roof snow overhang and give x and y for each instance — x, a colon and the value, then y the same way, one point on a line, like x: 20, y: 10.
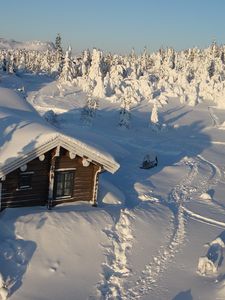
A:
x: 68, y: 143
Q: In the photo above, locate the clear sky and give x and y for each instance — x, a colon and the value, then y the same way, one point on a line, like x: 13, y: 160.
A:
x: 116, y: 25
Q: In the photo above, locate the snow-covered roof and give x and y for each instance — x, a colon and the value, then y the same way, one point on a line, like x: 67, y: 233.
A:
x: 25, y: 135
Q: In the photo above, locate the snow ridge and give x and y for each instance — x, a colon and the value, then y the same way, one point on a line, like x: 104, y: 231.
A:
x: 117, y: 267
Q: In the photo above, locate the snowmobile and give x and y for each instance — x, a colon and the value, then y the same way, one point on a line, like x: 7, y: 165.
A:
x: 149, y: 161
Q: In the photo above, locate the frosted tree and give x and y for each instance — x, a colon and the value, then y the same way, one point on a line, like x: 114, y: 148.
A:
x: 190, y: 75
x: 45, y: 64
x: 144, y: 60
x: 96, y: 64
x: 193, y: 95
x: 67, y: 73
x: 99, y: 89
x: 86, y: 62
x: 171, y: 58
x: 107, y: 85
x: 96, y: 74
x: 51, y: 117
x: 125, y: 115
x: 22, y: 62
x: 211, y: 69
x: 116, y: 76
x: 59, y: 52
x: 88, y: 112
x: 5, y: 65
x: 222, y: 57
x: 132, y: 56
x: 12, y: 64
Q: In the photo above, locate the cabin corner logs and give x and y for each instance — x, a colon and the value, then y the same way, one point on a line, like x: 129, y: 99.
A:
x: 56, y: 177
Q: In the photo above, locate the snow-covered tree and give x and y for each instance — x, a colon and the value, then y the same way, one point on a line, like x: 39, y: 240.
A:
x: 67, y: 74
x: 59, y: 53
x: 88, y: 112
x: 125, y: 115
x: 5, y: 65
x: 211, y: 69
x: 51, y: 117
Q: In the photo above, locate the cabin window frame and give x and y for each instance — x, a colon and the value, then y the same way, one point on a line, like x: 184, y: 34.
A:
x: 64, y: 171
x: 21, y: 186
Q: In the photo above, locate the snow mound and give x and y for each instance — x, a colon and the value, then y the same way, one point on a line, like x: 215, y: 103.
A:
x: 206, y: 266
x: 209, y: 264
x: 110, y: 194
x: 205, y: 196
x: 3, y: 289
x: 147, y: 197
x: 3, y: 293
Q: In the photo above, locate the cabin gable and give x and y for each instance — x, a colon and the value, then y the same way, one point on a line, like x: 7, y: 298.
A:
x: 30, y: 185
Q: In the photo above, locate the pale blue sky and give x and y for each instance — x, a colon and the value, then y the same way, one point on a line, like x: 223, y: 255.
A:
x: 116, y: 25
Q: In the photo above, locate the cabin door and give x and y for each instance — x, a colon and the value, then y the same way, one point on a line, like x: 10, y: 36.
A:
x: 64, y: 182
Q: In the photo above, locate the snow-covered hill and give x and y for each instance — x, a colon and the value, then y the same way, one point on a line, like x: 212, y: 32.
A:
x: 151, y: 227
x: 29, y: 45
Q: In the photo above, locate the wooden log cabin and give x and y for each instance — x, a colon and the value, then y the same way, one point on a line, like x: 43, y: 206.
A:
x: 40, y: 165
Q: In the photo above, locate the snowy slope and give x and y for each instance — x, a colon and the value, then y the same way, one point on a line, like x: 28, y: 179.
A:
x: 151, y: 226
x: 22, y: 126
x: 30, y: 45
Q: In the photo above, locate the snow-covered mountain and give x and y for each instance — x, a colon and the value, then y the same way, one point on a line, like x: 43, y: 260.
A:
x: 27, y: 45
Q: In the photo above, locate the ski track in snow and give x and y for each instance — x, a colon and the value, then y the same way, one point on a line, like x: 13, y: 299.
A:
x: 212, y: 181
x: 152, y: 272
x: 176, y: 202
x: 116, y: 269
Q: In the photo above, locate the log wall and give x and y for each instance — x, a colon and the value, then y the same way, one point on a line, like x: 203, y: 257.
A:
x: 83, y: 186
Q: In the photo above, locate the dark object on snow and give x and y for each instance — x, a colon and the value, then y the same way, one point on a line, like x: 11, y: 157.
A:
x: 149, y: 162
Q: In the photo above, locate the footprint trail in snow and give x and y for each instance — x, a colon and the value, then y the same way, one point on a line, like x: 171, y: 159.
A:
x: 116, y: 269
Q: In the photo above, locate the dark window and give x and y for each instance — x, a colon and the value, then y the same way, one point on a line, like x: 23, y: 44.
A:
x: 64, y: 184
x: 25, y: 180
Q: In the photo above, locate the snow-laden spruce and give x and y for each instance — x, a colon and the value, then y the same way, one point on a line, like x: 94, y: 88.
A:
x: 192, y: 75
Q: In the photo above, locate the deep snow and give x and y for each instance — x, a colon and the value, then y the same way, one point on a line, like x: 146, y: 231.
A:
x: 151, y: 226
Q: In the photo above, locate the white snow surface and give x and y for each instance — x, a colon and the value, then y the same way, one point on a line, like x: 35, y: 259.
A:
x: 146, y: 236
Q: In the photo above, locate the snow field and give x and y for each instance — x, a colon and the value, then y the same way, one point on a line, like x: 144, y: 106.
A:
x: 145, y: 238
